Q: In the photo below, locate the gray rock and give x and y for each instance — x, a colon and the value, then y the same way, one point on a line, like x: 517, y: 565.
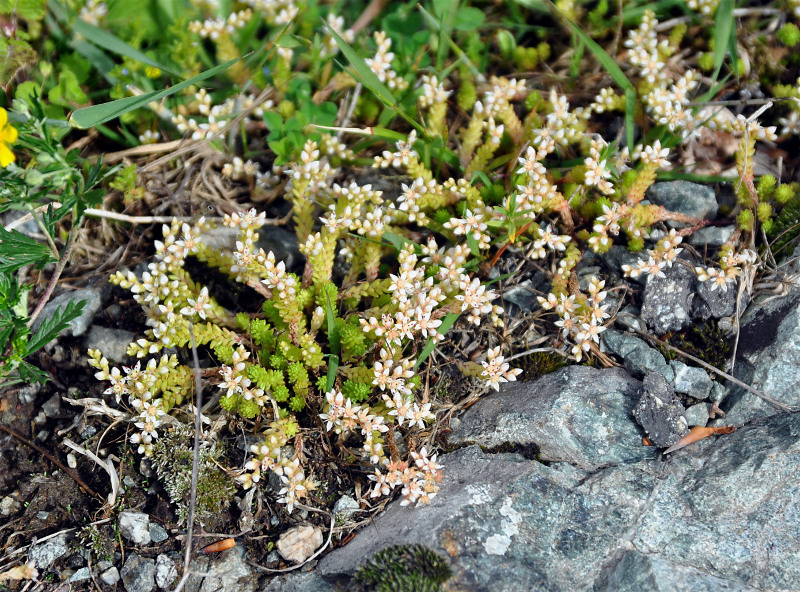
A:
x: 617, y: 256
x: 135, y: 526
x: 112, y: 342
x: 768, y: 360
x: 577, y: 414
x: 345, y: 507
x: 523, y: 295
x: 81, y: 575
x: 637, y: 572
x: 157, y: 533
x: 52, y: 406
x: 44, y: 554
x: 283, y: 243
x: 138, y: 574
x: 714, y: 303
x: 27, y: 394
x: 697, y: 415
x: 166, y: 572
x: 79, y: 325
x: 639, y: 358
x: 301, y: 582
x: 110, y: 576
x: 226, y: 572
x: 621, y: 344
x: 720, y: 514
x: 691, y: 380
x: 712, y: 236
x: 660, y: 412
x: 690, y: 199
x: 644, y: 360
x: 668, y: 300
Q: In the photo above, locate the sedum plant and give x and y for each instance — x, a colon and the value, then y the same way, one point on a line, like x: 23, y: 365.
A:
x: 346, y: 351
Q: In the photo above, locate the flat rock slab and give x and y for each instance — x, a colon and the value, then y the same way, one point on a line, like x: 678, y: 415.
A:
x: 769, y: 359
x: 721, y: 514
x: 577, y: 414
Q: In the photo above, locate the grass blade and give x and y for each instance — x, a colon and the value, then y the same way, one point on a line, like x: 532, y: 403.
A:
x: 723, y: 29
x: 97, y: 114
x: 114, y: 44
x: 365, y: 74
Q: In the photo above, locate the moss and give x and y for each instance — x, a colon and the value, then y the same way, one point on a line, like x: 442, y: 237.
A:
x: 706, y: 341
x: 172, y: 462
x: 402, y: 568
x: 540, y: 363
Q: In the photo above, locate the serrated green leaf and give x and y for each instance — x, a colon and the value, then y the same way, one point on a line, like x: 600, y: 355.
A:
x: 29, y: 373
x: 17, y: 250
x: 97, y: 114
x: 54, y: 324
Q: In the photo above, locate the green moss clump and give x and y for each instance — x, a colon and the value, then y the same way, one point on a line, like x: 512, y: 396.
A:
x: 789, y: 35
x: 403, y: 568
x: 707, y: 342
x: 538, y: 364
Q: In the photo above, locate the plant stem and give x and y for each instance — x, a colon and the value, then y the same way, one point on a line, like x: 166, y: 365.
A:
x: 53, y: 280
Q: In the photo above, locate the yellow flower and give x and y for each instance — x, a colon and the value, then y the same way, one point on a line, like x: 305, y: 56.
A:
x: 8, y: 135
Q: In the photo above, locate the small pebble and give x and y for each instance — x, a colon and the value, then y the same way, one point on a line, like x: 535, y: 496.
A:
x: 299, y: 543
x: 72, y: 462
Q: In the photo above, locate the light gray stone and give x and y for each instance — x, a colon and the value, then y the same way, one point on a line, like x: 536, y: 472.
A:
x: 81, y: 575
x: 226, y: 572
x: 690, y: 199
x: 138, y: 574
x: 639, y: 358
x: 714, y: 302
x: 577, y: 414
x: 345, y: 507
x: 157, y: 533
x: 690, y: 380
x: 110, y: 576
x: 52, y: 406
x: 301, y: 582
x: 712, y: 236
x: 697, y: 415
x: 135, y: 526
x: 44, y: 554
x: 166, y: 572
x: 80, y: 324
x: 112, y: 342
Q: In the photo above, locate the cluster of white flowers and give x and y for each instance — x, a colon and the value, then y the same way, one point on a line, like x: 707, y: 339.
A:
x: 329, y: 46
x: 547, y: 239
x: 433, y: 92
x: 538, y: 193
x: 381, y: 64
x: 497, y: 370
x: 733, y: 264
x: 149, y: 137
x: 662, y: 256
x: 644, y: 49
x: 597, y: 171
x: 268, y: 457
x: 668, y: 103
x: 419, y: 480
x: 473, y: 224
x: 137, y: 383
x: 238, y: 168
x: 216, y: 115
x: 581, y: 318
x: 275, y: 12
x: 93, y: 12
x: 213, y: 28
x: 499, y: 97
x: 704, y: 7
